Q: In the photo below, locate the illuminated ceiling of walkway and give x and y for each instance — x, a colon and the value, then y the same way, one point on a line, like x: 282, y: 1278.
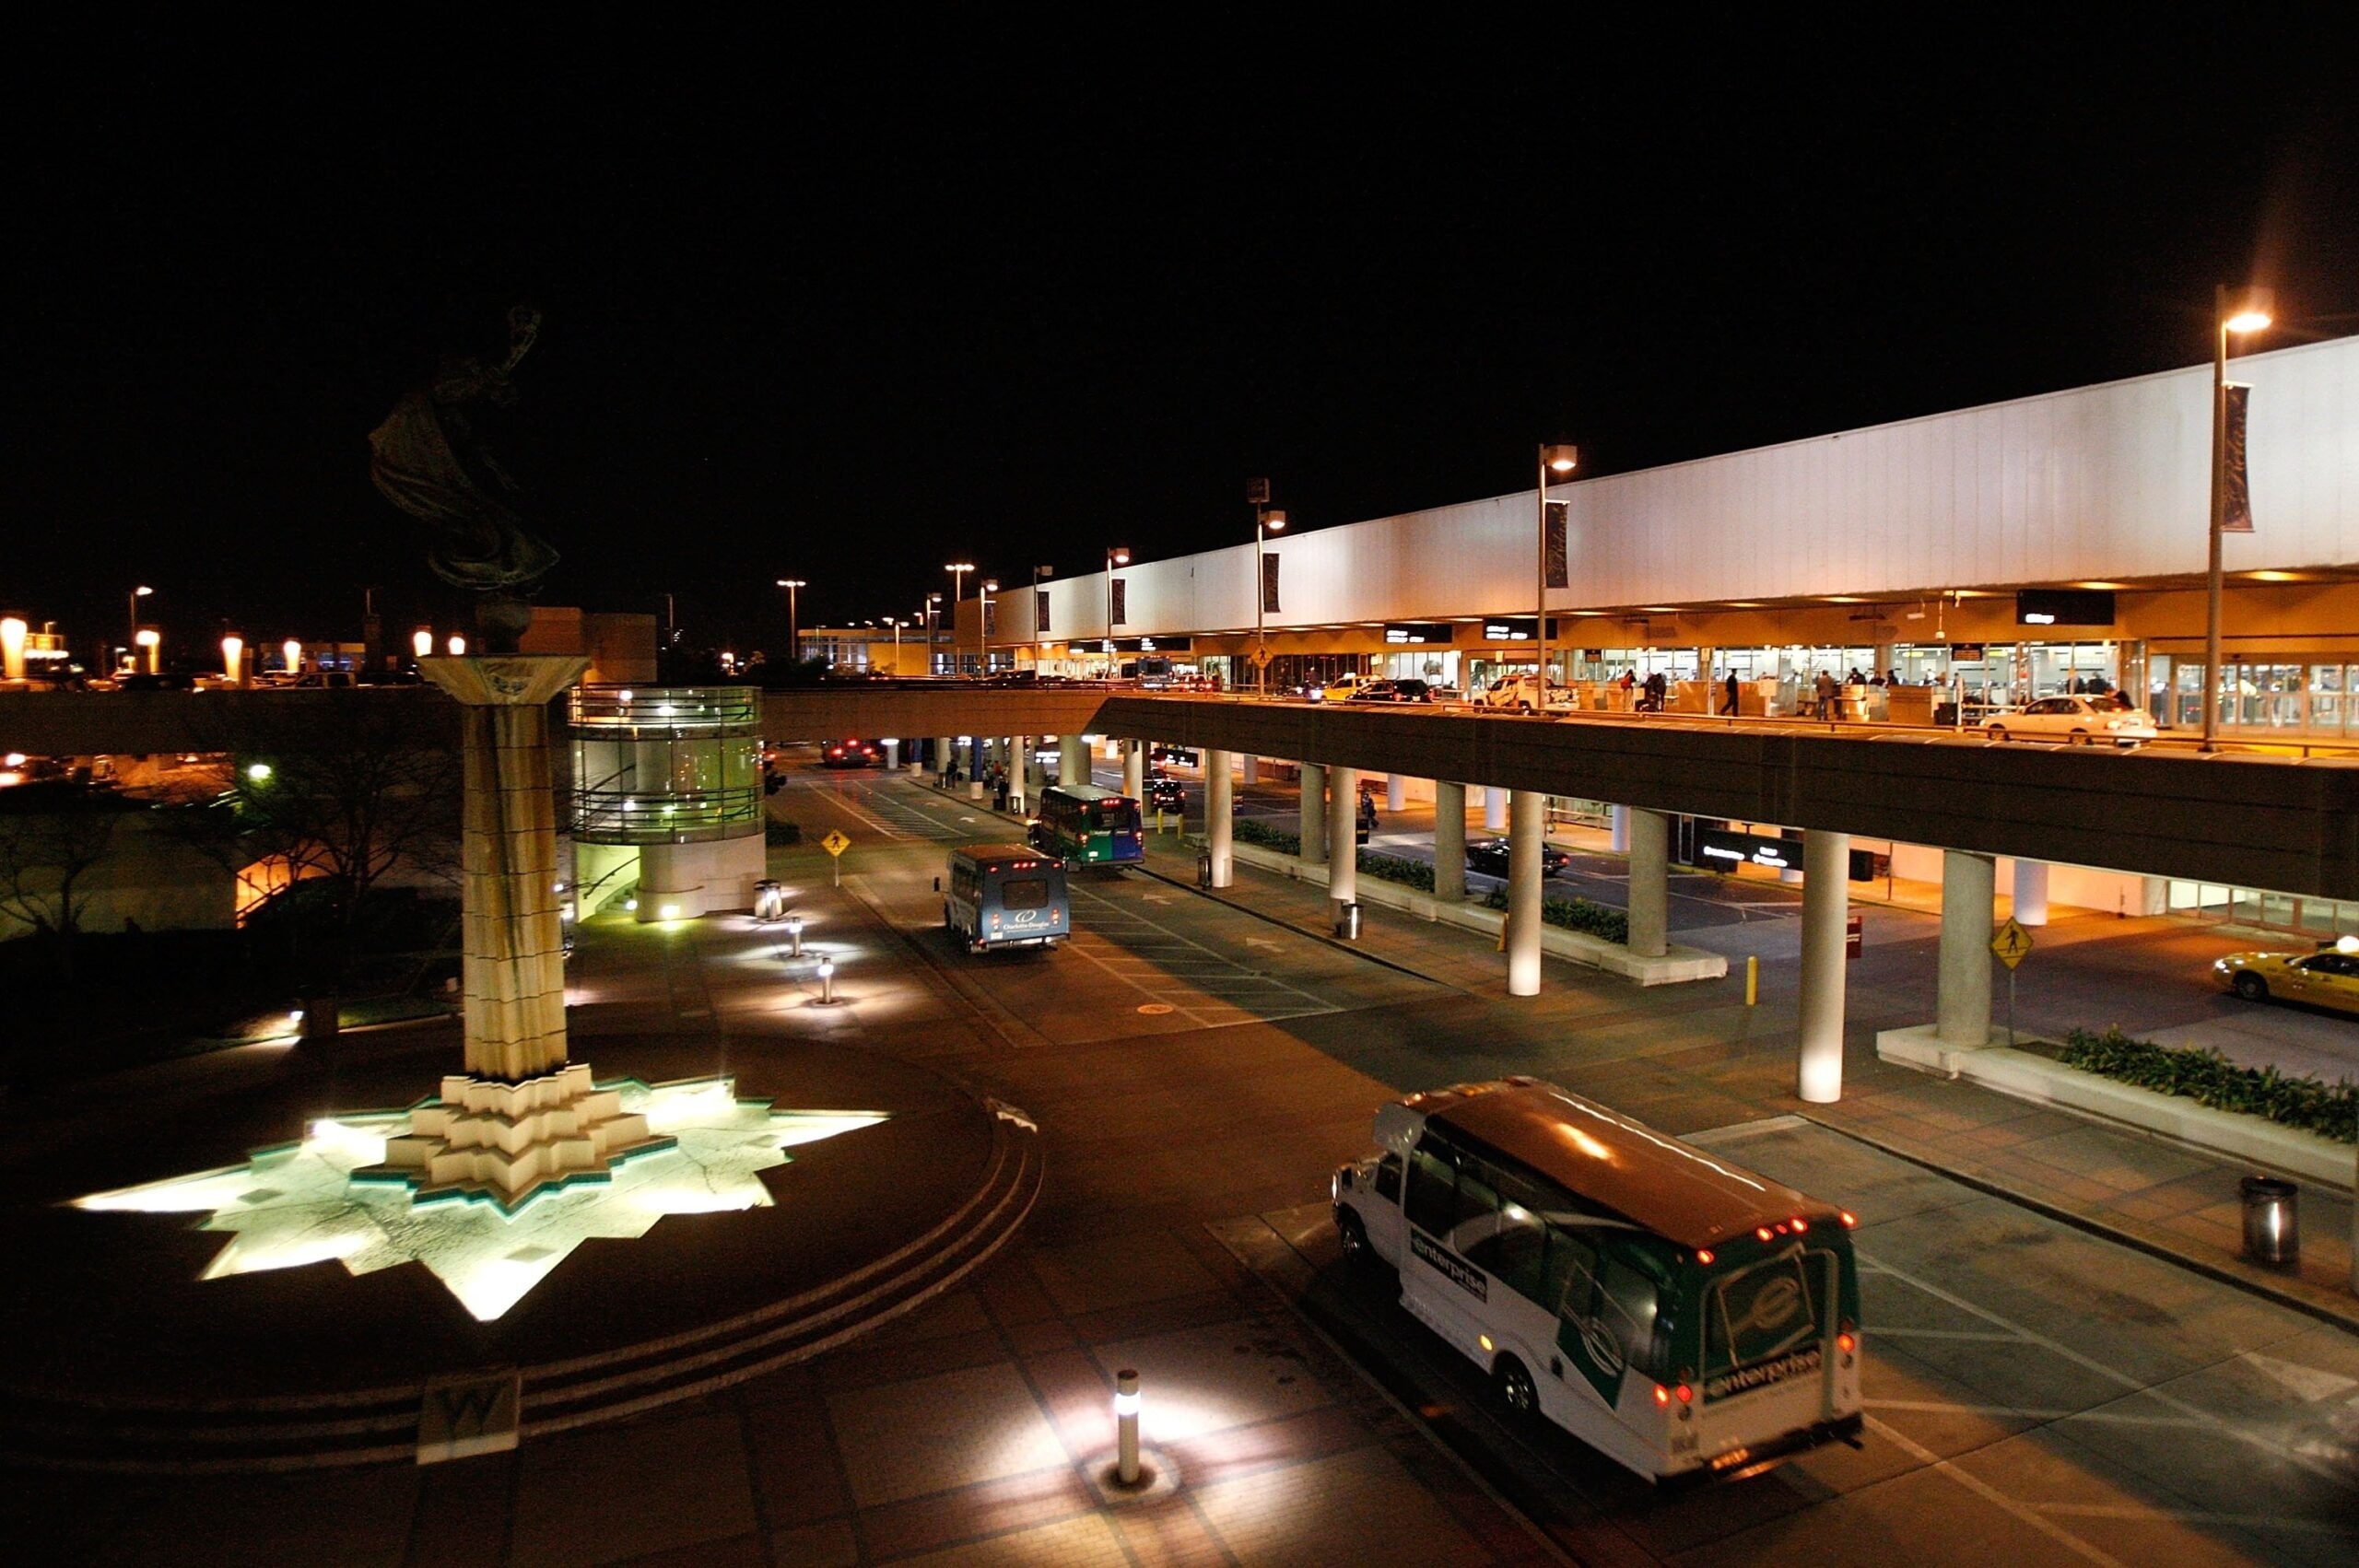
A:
x: 296, y: 1204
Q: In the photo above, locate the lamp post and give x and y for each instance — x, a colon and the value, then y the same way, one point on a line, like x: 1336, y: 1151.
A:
x: 152, y: 640
x: 421, y: 641
x: 895, y: 623
x: 1267, y: 519
x: 958, y: 571
x: 1559, y: 459
x: 933, y: 610
x: 135, y: 595
x: 2247, y: 310
x: 793, y: 629
x: 1117, y: 557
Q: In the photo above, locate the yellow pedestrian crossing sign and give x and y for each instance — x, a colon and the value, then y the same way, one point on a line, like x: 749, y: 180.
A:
x: 2011, y: 943
x: 1261, y: 656
x: 835, y: 842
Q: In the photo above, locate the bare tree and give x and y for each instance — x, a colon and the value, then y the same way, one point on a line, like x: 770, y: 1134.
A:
x: 52, y: 836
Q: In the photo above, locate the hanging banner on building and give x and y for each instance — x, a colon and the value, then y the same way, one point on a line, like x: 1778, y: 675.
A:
x: 1559, y: 569
x: 1116, y: 611
x: 1269, y: 583
x: 2236, y: 495
x: 990, y: 617
x: 1040, y: 609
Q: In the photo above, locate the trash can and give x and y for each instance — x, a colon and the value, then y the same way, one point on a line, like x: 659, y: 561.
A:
x: 2273, y: 1222
x: 1204, y: 869
x: 1347, y: 921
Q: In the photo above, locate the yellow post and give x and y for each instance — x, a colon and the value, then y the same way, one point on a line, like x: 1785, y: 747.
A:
x: 1752, y: 981
x: 1503, y: 933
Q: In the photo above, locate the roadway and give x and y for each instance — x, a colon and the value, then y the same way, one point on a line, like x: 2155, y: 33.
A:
x: 2037, y: 1393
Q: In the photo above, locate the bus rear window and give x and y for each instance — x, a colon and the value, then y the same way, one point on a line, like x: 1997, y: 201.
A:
x: 1116, y: 816
x: 1760, y: 1312
x: 1023, y: 893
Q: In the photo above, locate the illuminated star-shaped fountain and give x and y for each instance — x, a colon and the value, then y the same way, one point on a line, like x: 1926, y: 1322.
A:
x: 297, y: 1203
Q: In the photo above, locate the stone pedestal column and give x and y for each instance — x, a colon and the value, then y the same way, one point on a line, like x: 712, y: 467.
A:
x: 1649, y: 883
x: 1526, y: 830
x: 1314, y: 814
x: 1827, y: 902
x: 1962, y: 997
x: 1450, y: 841
x: 1218, y: 822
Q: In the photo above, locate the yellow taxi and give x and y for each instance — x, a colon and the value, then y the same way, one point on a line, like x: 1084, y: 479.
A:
x: 2329, y: 977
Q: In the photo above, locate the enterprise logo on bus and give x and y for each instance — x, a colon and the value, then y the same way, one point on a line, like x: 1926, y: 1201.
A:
x: 1761, y: 1376
x: 1465, y: 1278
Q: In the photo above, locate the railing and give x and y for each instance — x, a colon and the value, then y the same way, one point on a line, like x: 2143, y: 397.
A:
x: 621, y: 816
x: 669, y: 709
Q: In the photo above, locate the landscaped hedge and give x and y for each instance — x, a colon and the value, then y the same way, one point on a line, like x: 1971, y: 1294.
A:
x: 1392, y: 868
x: 2209, y: 1079
x: 1574, y: 915
x: 777, y: 832
x: 1268, y: 838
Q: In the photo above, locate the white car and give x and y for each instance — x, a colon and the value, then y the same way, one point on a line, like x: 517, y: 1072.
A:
x: 1521, y: 693
x: 2075, y: 720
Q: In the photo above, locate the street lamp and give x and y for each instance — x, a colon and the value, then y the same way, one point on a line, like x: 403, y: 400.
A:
x: 1267, y: 519
x: 421, y: 641
x: 1032, y: 617
x: 933, y: 610
x: 2245, y: 311
x: 1559, y: 459
x: 457, y: 645
x: 135, y: 595
x: 233, y: 659
x: 1117, y: 557
x: 152, y: 640
x: 958, y: 571
x: 292, y: 652
x: 983, y: 626
x: 793, y: 630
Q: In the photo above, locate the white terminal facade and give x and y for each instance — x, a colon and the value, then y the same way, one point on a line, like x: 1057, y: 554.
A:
x: 1988, y: 556
x: 1900, y: 546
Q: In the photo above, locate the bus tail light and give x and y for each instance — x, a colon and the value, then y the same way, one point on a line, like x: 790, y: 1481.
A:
x: 1847, y: 1339
x: 1703, y: 1254
x: 1801, y: 1224
x: 1662, y: 1395
x: 1850, y: 1221
x: 1684, y: 1394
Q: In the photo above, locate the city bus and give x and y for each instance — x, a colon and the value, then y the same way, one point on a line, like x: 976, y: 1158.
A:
x: 1005, y: 896
x: 1087, y: 826
x: 1687, y: 1317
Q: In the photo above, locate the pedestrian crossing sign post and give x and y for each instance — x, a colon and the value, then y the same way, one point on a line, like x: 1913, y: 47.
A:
x: 2012, y: 945
x: 1261, y: 656
x: 835, y: 844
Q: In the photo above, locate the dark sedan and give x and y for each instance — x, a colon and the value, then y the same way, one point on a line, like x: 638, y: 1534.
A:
x: 1489, y: 856
x: 849, y: 754
x: 1166, y: 795
x: 1392, y: 691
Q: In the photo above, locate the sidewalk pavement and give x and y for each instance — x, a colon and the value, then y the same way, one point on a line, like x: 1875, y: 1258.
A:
x: 2161, y: 1197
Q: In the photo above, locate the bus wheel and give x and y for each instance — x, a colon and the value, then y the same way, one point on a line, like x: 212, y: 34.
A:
x: 1516, y: 1392
x: 1354, y: 1236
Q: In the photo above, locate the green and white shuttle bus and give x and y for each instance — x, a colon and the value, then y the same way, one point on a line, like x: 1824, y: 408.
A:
x: 1684, y: 1316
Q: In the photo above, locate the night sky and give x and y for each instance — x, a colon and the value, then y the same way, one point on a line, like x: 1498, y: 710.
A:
x: 847, y: 309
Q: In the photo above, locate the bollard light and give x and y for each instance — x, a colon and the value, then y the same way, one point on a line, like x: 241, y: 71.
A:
x: 794, y: 935
x: 457, y: 645
x: 1126, y: 1426
x: 828, y: 981
x: 292, y: 652
x: 421, y: 641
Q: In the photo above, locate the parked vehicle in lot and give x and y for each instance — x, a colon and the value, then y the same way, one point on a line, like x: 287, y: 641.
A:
x: 1683, y: 1316
x: 849, y: 754
x: 1391, y: 691
x: 1005, y: 896
x: 2075, y: 720
x: 1521, y: 693
x: 2330, y: 978
x: 1489, y: 856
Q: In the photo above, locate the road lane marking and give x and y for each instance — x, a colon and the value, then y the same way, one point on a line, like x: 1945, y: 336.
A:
x: 1992, y: 1495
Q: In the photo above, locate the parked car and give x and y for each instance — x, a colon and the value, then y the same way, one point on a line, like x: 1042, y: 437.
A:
x: 1489, y: 856
x: 2328, y: 979
x: 849, y: 754
x: 2075, y: 720
x: 1391, y: 691
x: 1521, y: 694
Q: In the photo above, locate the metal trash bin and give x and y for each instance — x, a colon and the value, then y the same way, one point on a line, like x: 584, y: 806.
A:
x: 2272, y: 1222
x: 1347, y: 921
x: 1204, y: 869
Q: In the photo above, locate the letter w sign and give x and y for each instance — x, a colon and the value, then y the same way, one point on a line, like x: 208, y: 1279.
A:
x: 462, y: 1416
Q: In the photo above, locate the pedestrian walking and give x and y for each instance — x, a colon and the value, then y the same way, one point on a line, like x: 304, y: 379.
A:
x: 1829, y: 695
x: 1367, y: 809
x: 1729, y: 709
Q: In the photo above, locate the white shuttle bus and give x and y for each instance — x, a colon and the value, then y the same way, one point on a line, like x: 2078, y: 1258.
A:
x: 1684, y: 1316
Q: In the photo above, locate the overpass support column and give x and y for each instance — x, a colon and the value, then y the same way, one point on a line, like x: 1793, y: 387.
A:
x: 1250, y: 769
x: 1962, y: 1004
x: 1527, y: 822
x: 1134, y: 770
x: 946, y: 751
x: 1396, y: 792
x: 975, y: 744
x: 1450, y: 842
x: 1072, y: 760
x: 1649, y: 883
x: 1495, y: 808
x: 892, y: 755
x: 1035, y: 776
x: 1217, y: 820
x: 1314, y: 814
x: 1827, y: 899
x: 1618, y: 819
x: 1343, y: 835
x: 2031, y: 891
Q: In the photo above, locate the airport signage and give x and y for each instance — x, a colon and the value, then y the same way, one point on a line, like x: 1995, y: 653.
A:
x: 1718, y: 849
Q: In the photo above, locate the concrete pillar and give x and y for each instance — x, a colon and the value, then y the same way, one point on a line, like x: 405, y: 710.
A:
x: 1396, y: 792
x: 1495, y: 808
x: 2031, y: 891
x: 1649, y: 883
x: 2153, y: 896
x: 1251, y: 769
x: 1314, y: 814
x: 1527, y: 823
x: 1343, y: 835
x: 1962, y: 1004
x: 1883, y: 659
x: 1134, y: 770
x: 1619, y: 817
x: 1034, y: 776
x: 892, y: 753
x: 1217, y: 815
x: 1072, y: 760
x: 1827, y: 900
x: 1450, y: 841
x: 946, y: 751
x: 975, y: 744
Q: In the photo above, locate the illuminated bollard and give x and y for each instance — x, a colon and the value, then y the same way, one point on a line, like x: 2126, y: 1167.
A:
x: 794, y: 935
x: 1126, y: 1427
x: 826, y: 982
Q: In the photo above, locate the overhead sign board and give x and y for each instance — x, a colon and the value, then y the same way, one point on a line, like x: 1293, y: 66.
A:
x: 2063, y: 607
x: 1416, y: 631
x: 1720, y: 849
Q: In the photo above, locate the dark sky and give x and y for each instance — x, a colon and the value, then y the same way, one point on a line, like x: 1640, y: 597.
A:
x: 847, y: 309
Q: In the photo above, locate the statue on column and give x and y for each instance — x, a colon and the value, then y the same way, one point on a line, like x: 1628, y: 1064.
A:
x: 433, y: 459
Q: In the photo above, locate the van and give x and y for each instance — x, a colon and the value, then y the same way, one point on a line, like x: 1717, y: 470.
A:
x: 1005, y: 896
